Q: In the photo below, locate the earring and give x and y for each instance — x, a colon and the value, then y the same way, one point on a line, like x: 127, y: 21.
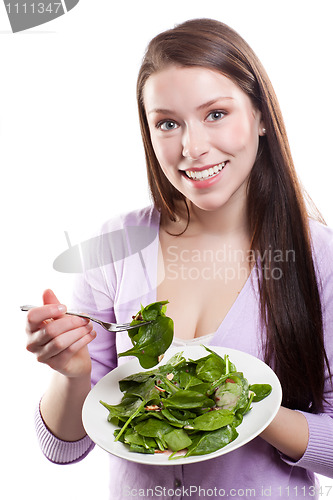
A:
x: 263, y: 131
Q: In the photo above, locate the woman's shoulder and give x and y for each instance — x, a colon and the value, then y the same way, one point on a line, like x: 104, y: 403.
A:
x: 142, y: 217
x: 119, y: 237
x: 322, y: 240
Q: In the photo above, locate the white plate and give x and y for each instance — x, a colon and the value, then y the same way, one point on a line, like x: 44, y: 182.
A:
x: 94, y: 415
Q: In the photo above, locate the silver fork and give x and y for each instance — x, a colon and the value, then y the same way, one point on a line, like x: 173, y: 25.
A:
x: 110, y: 327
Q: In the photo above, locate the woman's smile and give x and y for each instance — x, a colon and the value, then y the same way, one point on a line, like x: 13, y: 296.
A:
x: 207, y: 172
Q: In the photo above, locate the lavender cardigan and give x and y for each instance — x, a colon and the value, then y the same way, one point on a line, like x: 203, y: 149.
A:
x: 113, y: 291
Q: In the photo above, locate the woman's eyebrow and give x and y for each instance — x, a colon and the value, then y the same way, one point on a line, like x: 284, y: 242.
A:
x: 207, y: 104
x: 213, y: 101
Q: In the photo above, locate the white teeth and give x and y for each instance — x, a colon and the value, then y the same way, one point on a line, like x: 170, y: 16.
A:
x: 205, y: 174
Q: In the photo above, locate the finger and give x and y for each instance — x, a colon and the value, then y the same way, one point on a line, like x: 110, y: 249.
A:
x: 62, y: 325
x: 60, y: 361
x: 49, y: 297
x: 37, y: 315
x: 62, y: 342
x: 51, y: 329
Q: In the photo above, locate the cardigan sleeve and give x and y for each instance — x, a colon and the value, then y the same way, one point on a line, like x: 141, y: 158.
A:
x: 318, y: 456
x: 58, y: 451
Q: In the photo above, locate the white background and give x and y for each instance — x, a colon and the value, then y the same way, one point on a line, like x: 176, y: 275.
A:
x: 71, y: 157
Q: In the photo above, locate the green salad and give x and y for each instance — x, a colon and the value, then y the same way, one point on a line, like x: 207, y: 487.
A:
x: 193, y: 406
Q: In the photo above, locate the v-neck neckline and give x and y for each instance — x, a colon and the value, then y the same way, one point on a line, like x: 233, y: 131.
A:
x: 236, y: 305
x: 235, y: 308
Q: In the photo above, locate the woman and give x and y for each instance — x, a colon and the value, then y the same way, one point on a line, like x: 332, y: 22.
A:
x: 236, y: 255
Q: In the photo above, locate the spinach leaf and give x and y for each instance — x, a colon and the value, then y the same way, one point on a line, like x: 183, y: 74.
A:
x: 134, y: 438
x: 141, y: 449
x: 152, y: 340
x: 261, y: 391
x: 210, y: 368
x: 177, y: 440
x: 152, y: 311
x: 212, y: 441
x: 188, y: 399
x: 128, y: 421
x: 174, y: 364
x: 125, y: 408
x: 146, y: 390
x: 203, y: 387
x: 182, y: 414
x: 212, y: 420
x: 172, y: 418
x: 136, y: 377
x: 154, y: 428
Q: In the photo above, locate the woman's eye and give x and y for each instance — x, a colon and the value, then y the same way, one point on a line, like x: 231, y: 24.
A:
x: 167, y: 125
x: 215, y: 116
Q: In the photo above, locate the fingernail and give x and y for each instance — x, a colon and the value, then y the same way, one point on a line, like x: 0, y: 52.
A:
x: 62, y: 308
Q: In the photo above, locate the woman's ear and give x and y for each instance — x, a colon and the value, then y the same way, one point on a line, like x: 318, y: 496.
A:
x: 262, y: 129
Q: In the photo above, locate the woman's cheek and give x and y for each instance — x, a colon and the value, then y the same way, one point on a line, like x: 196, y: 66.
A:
x: 236, y: 139
x: 166, y: 152
x: 239, y: 135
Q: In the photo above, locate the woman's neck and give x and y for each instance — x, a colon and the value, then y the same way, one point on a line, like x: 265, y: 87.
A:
x: 227, y: 221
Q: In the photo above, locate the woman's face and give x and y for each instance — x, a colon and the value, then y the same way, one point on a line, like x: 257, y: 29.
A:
x: 205, y: 133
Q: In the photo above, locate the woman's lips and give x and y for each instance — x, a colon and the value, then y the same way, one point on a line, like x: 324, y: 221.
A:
x: 205, y: 177
x: 205, y: 172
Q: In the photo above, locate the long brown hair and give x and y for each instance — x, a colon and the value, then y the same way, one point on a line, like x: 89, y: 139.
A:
x: 277, y: 214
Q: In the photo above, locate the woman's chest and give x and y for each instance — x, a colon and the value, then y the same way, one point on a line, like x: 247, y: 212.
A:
x: 202, y: 281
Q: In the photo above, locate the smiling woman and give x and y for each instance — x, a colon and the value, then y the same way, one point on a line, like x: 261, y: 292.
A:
x: 221, y: 177
x: 256, y: 196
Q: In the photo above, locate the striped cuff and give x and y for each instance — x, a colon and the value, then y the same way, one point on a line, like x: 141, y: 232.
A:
x: 56, y: 450
x: 318, y: 456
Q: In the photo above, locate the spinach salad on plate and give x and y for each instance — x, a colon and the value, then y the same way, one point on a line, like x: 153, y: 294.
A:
x: 184, y: 407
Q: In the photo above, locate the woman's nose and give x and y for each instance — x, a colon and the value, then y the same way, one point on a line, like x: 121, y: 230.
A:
x: 195, y: 143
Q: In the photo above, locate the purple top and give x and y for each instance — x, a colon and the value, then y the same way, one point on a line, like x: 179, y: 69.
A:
x: 114, y: 291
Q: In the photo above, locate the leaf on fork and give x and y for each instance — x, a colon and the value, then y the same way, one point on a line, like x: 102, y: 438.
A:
x: 150, y: 341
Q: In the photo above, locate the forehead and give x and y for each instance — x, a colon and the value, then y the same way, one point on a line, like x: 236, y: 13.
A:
x: 181, y: 86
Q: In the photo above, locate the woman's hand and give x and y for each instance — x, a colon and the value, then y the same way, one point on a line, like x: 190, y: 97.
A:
x: 59, y: 340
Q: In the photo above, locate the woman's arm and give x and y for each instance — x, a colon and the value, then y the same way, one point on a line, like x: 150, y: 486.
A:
x: 288, y: 433
x: 61, y: 406
x: 60, y: 341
